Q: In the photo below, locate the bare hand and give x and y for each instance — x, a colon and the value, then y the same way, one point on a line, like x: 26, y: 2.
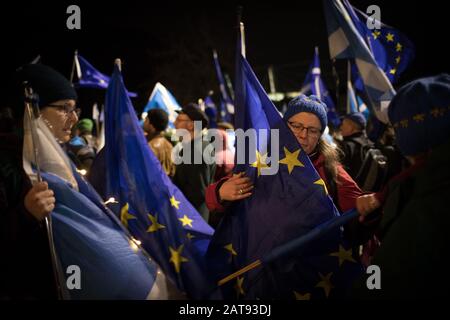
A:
x: 40, y: 200
x: 366, y: 204
x: 236, y: 188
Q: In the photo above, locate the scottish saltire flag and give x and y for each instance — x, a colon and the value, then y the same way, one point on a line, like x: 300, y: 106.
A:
x: 282, y: 207
x: 354, y: 101
x: 226, y: 104
x: 314, y: 84
x: 345, y: 42
x: 89, y: 77
x: 391, y: 49
x: 152, y: 208
x: 211, y: 111
x: 161, y: 98
x: 87, y: 235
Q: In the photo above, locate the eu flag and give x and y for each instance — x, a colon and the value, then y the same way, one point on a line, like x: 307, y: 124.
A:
x: 150, y: 206
x: 392, y: 50
x: 314, y: 84
x: 346, y: 42
x: 89, y: 77
x: 283, y: 206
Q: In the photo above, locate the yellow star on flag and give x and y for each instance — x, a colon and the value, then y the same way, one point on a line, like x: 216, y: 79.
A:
x: 393, y: 71
x: 155, y: 226
x: 260, y: 162
x: 398, y: 59
x: 174, y: 202
x: 125, y: 215
x: 399, y: 47
x: 229, y: 247
x: 291, y: 159
x: 298, y: 296
x: 320, y: 182
x: 325, y: 283
x: 343, y: 255
x: 176, y: 258
x: 186, y: 221
x: 238, y: 287
x: 190, y: 236
x: 376, y: 34
x: 390, y: 37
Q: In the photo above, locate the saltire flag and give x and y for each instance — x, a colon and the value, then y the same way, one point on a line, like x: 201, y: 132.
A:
x: 161, y: 98
x: 283, y: 206
x: 354, y: 101
x: 314, y: 84
x: 391, y: 49
x: 89, y: 77
x: 226, y: 104
x: 211, y: 111
x: 88, y: 237
x: 152, y: 208
x: 345, y: 42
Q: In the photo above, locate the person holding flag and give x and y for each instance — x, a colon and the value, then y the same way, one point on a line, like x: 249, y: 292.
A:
x: 83, y: 234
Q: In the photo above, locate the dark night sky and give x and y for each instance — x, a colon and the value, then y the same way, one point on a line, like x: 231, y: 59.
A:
x: 172, y: 42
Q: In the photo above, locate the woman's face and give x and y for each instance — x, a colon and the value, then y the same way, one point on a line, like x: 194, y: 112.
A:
x: 306, y: 128
x: 60, y: 116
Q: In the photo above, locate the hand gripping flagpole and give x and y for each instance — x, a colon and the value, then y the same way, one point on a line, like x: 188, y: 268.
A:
x: 295, y: 244
x: 32, y: 112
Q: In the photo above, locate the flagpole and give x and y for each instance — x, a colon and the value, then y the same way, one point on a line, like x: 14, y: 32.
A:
x: 336, y: 79
x: 295, y: 244
x: 72, y: 73
x: 32, y: 112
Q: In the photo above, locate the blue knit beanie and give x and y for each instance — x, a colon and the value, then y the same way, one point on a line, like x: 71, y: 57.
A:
x: 420, y: 114
x: 311, y: 104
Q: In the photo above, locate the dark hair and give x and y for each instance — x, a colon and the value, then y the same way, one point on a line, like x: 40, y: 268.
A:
x: 158, y: 119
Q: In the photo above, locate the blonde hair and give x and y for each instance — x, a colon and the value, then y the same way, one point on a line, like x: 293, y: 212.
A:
x: 331, y: 159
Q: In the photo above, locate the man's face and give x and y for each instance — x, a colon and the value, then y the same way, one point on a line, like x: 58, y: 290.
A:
x: 184, y: 122
x: 60, y: 117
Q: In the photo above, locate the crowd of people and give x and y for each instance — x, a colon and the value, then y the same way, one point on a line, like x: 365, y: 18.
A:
x: 398, y: 182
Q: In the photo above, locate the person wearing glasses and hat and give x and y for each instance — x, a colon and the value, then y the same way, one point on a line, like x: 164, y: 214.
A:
x: 23, y: 206
x: 193, y: 178
x: 307, y: 119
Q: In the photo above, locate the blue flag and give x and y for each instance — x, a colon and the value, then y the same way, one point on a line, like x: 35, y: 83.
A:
x: 391, y: 49
x: 283, y: 206
x: 87, y: 235
x: 345, y: 42
x: 161, y: 98
x: 152, y: 208
x: 314, y: 84
x: 354, y: 101
x: 226, y: 104
x: 211, y: 111
x: 89, y: 77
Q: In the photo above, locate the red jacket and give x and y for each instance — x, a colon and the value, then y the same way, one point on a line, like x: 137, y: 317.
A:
x: 347, y: 189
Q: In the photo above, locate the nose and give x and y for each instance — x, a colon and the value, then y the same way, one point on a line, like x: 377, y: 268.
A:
x: 303, y: 133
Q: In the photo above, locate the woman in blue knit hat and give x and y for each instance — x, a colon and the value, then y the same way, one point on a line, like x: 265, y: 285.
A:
x: 307, y: 119
x: 415, y: 222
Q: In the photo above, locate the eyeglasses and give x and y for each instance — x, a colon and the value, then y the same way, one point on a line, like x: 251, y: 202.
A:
x: 298, y: 128
x: 67, y: 109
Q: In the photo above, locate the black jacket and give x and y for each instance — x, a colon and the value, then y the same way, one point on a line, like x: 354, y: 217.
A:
x: 25, y: 265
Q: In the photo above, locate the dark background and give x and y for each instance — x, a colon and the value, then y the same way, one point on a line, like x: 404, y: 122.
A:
x: 171, y: 42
